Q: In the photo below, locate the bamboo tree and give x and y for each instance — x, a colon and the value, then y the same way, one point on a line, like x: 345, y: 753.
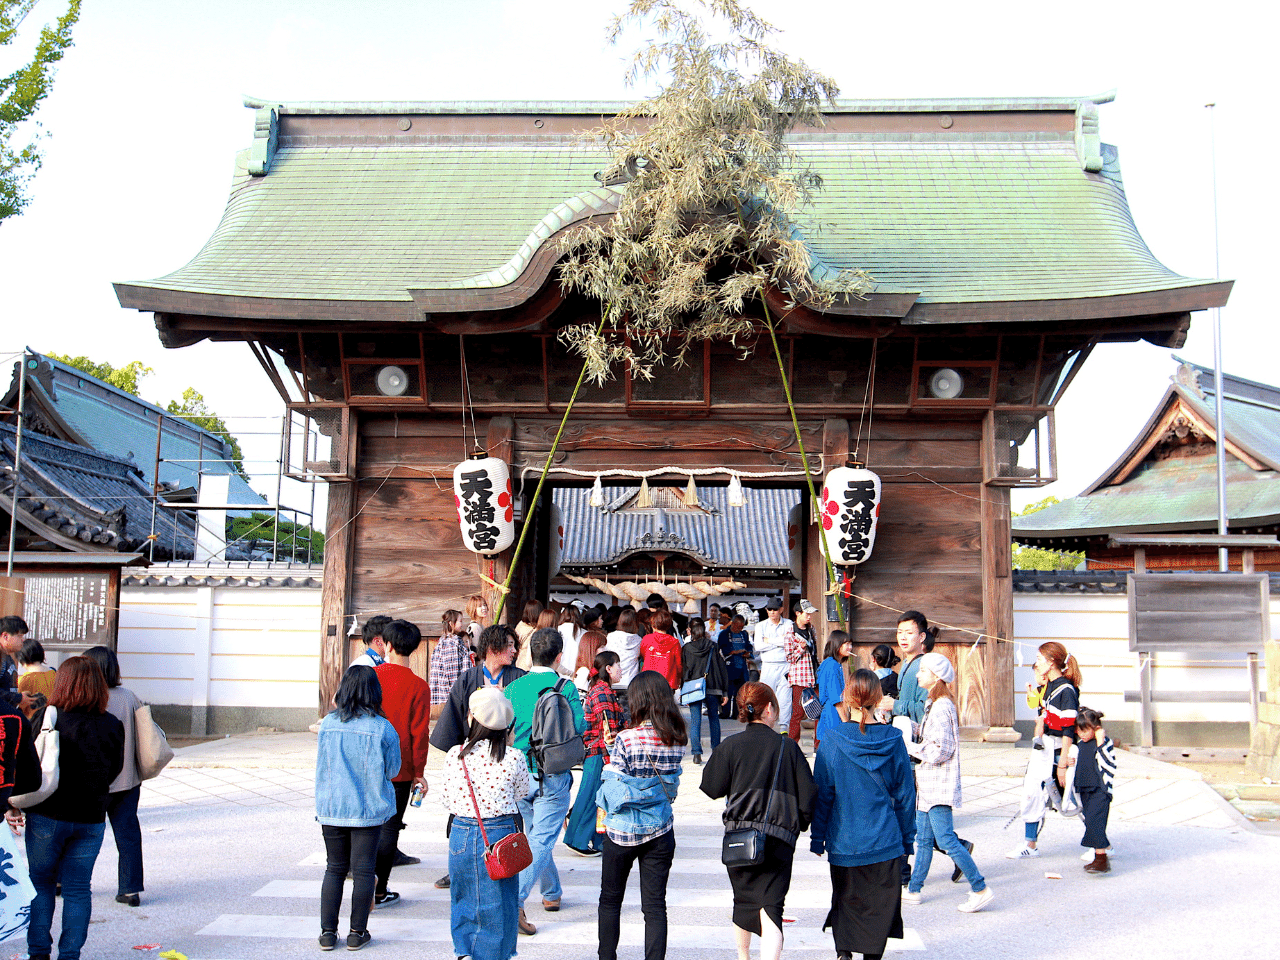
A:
x: 706, y: 221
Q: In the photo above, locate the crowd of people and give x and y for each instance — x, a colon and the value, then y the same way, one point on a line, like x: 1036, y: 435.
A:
x: 602, y: 690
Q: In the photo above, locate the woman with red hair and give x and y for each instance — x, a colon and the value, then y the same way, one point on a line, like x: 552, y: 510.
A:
x: 64, y: 832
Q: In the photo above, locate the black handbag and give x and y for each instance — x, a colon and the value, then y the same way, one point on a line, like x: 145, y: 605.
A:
x: 744, y: 847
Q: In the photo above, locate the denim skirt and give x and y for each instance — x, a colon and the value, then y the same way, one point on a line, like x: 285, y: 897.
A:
x: 484, y: 912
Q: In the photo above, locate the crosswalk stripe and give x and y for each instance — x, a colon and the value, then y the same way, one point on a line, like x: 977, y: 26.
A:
x: 806, y: 865
x: 680, y: 936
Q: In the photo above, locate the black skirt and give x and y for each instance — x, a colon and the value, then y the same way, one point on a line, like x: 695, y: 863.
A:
x: 866, y: 907
x: 763, y: 886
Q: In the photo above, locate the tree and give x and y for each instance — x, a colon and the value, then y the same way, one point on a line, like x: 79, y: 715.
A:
x: 1038, y: 558
x: 124, y: 378
x: 21, y: 93
x: 293, y: 541
x: 194, y: 410
x: 706, y: 222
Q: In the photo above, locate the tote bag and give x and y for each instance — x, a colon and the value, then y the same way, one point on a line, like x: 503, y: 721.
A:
x: 152, y: 752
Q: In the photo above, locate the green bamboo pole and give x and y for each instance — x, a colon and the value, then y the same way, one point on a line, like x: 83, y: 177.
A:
x: 804, y: 458
x: 542, y: 479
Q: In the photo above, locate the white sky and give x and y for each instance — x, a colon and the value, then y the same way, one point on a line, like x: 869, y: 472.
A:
x: 146, y: 117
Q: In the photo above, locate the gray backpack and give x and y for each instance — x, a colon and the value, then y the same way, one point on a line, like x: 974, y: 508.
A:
x: 554, y: 742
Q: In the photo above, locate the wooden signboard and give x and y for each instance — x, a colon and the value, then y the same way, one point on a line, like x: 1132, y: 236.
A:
x: 1197, y: 611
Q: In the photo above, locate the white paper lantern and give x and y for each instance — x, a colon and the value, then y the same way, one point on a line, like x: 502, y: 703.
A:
x: 557, y: 541
x: 850, y: 509
x: 482, y: 492
x: 795, y: 540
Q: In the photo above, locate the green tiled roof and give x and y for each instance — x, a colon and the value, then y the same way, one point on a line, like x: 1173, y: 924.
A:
x: 964, y: 218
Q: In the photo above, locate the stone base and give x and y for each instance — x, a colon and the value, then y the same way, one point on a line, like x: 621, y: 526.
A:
x: 1264, y: 751
x: 1001, y: 735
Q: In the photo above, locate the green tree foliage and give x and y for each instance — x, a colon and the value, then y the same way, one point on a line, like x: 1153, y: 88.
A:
x: 193, y: 409
x: 705, y: 219
x: 124, y: 378
x: 293, y: 541
x: 1038, y: 558
x: 21, y: 93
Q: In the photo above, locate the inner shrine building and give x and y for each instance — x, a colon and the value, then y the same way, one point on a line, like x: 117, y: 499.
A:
x: 393, y: 267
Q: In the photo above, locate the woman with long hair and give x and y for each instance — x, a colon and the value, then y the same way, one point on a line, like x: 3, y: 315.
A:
x: 477, y: 615
x: 938, y: 785
x: 660, y: 650
x: 484, y: 912
x: 833, y: 677
x: 592, y: 642
x: 768, y: 787
x: 569, y: 623
x: 863, y: 820
x: 357, y: 754
x: 524, y: 630
x: 122, y: 805
x: 625, y: 642
x: 604, y: 722
x: 639, y: 785
x: 64, y: 832
x: 702, y: 661
x: 1056, y: 727
x: 449, y: 659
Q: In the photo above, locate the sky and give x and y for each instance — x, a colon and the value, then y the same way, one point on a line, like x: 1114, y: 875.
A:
x: 146, y: 117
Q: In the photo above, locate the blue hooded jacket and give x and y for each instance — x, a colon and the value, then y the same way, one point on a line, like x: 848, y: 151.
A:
x: 865, y: 808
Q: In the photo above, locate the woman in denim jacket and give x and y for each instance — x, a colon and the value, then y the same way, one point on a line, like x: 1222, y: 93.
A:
x: 357, y: 755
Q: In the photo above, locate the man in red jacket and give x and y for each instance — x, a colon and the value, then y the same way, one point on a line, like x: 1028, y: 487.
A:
x: 406, y: 700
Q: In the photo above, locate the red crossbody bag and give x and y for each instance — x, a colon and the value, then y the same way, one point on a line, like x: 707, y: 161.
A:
x: 509, y: 855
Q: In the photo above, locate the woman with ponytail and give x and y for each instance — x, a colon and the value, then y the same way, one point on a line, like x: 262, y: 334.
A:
x: 1057, y: 720
x: 604, y: 720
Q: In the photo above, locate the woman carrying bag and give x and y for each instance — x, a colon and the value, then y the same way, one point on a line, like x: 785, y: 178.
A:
x: 770, y: 791
x: 482, y: 779
x: 705, y: 686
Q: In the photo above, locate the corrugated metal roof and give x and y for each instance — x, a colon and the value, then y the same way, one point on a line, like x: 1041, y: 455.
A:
x: 754, y: 535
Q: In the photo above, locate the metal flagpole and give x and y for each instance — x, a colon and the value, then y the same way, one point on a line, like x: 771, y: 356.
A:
x: 17, y: 457
x: 1219, y: 425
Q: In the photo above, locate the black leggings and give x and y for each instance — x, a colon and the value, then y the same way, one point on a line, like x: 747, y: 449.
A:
x: 354, y: 849
x: 391, y: 834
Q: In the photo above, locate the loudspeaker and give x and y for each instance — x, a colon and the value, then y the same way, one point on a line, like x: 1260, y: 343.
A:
x: 392, y: 381
x: 946, y: 384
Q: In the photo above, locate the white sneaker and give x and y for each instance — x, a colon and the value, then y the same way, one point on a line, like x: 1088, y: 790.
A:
x: 977, y: 901
x: 1019, y: 853
x: 1087, y: 856
x: 909, y: 897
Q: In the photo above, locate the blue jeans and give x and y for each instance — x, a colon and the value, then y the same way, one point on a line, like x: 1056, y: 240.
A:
x: 581, y: 834
x: 936, y: 822
x: 712, y: 706
x: 483, y: 912
x: 122, y: 811
x: 544, y: 810
x: 58, y: 850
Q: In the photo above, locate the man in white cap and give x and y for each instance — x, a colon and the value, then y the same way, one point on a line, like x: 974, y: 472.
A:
x: 770, y: 643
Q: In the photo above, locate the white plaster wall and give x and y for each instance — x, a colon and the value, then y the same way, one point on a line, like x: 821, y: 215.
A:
x: 1095, y: 628
x: 221, y: 646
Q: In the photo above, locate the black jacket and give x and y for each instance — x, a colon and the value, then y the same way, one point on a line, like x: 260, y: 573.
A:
x: 90, y: 756
x: 742, y: 768
x: 451, y: 726
x: 701, y: 658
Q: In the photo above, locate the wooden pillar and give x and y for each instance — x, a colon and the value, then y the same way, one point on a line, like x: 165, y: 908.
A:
x: 835, y: 450
x: 997, y: 613
x: 335, y: 591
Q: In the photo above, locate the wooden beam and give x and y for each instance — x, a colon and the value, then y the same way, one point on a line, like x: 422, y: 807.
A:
x: 997, y: 605
x: 335, y: 590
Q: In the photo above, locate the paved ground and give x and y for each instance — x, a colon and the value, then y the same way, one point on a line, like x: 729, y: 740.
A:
x: 234, y: 861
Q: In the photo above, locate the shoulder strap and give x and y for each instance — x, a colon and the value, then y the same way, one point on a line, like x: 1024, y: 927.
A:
x: 777, y: 768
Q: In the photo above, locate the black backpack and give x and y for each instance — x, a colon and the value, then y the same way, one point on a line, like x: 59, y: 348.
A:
x: 554, y: 742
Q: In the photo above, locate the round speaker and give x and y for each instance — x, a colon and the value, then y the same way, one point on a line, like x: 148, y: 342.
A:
x: 392, y: 381
x: 946, y: 384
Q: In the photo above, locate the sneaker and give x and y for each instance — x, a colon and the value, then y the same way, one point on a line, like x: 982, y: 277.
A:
x: 957, y: 874
x: 1022, y: 852
x: 585, y: 853
x: 328, y: 939
x: 551, y: 906
x: 912, y: 897
x: 527, y: 928
x: 976, y: 901
x: 405, y: 860
x: 1087, y: 856
x: 386, y: 899
x: 358, y: 941
x: 443, y: 883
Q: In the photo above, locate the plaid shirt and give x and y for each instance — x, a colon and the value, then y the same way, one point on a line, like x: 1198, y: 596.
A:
x: 639, y: 753
x: 451, y: 657
x: 800, y: 660
x: 600, y: 703
x: 938, y: 773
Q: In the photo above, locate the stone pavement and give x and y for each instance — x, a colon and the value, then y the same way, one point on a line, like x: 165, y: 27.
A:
x: 234, y: 861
